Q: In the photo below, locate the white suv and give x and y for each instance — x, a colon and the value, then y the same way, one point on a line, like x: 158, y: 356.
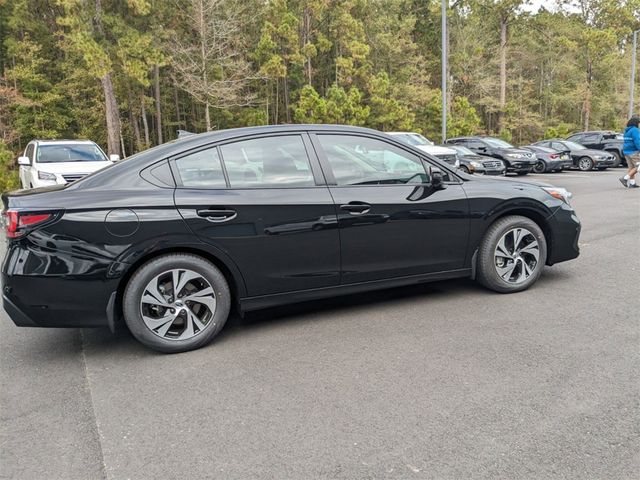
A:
x: 421, y: 142
x: 53, y: 162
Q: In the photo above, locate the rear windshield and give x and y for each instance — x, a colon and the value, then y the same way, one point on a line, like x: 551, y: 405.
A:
x: 69, y: 153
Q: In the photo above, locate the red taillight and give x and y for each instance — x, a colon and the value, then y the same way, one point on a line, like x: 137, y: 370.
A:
x: 16, y: 221
x: 554, y: 155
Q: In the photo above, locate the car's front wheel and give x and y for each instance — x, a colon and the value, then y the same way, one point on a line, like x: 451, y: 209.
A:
x: 511, y: 255
x: 176, y: 302
x: 585, y: 164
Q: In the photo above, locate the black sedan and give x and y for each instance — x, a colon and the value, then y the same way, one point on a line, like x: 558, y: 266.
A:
x: 550, y: 160
x: 516, y: 160
x: 583, y: 158
x: 174, y: 237
x: 470, y: 162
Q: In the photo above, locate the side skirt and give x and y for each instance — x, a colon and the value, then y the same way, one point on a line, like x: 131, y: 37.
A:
x: 265, y: 301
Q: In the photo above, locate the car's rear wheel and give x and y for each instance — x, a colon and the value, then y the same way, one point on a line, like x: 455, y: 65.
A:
x: 540, y: 167
x: 176, y: 302
x: 585, y: 164
x: 512, y: 254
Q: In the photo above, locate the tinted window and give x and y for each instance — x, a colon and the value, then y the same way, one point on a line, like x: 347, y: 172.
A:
x: 69, y: 153
x: 29, y: 152
x: 591, y: 138
x: 358, y: 160
x: 201, y: 170
x: 474, y: 144
x: 280, y: 161
x: 576, y: 138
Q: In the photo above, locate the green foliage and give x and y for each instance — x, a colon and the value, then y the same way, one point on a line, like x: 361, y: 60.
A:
x: 361, y: 62
x: 8, y: 172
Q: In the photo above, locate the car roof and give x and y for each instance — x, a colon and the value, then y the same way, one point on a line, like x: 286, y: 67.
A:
x: 61, y: 141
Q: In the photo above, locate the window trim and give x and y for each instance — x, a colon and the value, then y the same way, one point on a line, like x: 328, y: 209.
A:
x: 316, y: 171
x: 328, y: 172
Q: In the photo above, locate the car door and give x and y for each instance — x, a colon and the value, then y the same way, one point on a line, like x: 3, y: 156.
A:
x: 394, y: 220
x: 261, y: 200
x: 25, y: 170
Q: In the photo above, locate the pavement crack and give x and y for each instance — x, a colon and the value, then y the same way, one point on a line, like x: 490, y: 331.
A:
x: 88, y: 386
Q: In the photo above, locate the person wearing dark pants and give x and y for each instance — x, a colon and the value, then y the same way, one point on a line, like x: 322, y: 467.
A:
x: 631, y: 152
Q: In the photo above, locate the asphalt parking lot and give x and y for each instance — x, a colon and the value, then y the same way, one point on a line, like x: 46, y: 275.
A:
x: 441, y: 381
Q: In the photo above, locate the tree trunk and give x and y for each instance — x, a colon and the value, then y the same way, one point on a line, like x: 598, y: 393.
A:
x: 145, y: 124
x: 112, y: 116
x: 177, y: 101
x: 207, y: 116
x: 134, y: 124
x: 156, y: 75
x: 503, y: 70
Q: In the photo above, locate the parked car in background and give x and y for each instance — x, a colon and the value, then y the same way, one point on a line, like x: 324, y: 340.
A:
x: 550, y: 160
x: 54, y: 162
x: 423, y: 143
x: 173, y: 237
x: 611, y: 142
x: 516, y: 160
x: 471, y: 162
x: 583, y: 158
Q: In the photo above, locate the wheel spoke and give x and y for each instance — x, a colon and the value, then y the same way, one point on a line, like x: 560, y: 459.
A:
x: 152, y: 294
x: 196, y: 320
x: 181, y: 278
x: 502, y: 249
x: 532, y: 249
x: 522, y: 274
x: 507, y: 271
x: 162, y: 324
x: 188, y: 329
x: 518, y: 236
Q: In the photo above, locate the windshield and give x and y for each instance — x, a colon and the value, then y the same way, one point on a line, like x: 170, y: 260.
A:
x: 574, y: 146
x: 460, y: 149
x: 413, y: 138
x: 497, y: 143
x: 70, y: 152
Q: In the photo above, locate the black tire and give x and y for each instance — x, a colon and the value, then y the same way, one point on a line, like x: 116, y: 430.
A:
x: 131, y: 302
x: 540, y: 167
x: 520, y: 174
x: 585, y: 164
x: 464, y: 169
x: 487, y: 274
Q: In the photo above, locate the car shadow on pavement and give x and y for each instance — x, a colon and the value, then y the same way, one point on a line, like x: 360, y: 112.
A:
x: 102, y: 340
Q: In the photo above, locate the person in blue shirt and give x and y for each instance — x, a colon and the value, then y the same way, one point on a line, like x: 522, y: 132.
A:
x: 631, y: 150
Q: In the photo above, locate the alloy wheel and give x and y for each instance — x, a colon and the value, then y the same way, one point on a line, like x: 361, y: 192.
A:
x: 585, y: 164
x: 178, y: 304
x: 539, y: 167
x: 516, y: 255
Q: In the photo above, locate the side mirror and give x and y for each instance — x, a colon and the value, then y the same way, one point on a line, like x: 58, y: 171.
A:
x: 114, y: 157
x: 437, y: 179
x: 24, y: 161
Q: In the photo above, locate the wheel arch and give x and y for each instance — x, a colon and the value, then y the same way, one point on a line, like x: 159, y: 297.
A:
x: 230, y: 271
x: 525, y: 211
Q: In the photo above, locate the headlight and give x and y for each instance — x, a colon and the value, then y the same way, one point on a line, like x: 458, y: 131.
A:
x: 46, y: 176
x: 476, y: 164
x: 559, y: 193
x: 514, y: 155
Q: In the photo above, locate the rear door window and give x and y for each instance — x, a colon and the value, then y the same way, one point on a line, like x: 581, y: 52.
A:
x: 202, y: 169
x: 278, y: 161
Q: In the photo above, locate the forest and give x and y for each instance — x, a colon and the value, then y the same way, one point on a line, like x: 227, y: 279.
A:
x: 129, y: 74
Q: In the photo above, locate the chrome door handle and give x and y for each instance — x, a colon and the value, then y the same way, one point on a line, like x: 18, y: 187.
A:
x: 356, y: 208
x: 217, y: 215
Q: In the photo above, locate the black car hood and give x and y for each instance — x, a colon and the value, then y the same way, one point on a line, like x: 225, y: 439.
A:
x: 493, y: 179
x: 514, y: 150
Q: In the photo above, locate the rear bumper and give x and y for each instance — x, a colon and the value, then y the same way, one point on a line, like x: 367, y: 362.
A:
x: 40, y: 289
x: 35, y: 306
